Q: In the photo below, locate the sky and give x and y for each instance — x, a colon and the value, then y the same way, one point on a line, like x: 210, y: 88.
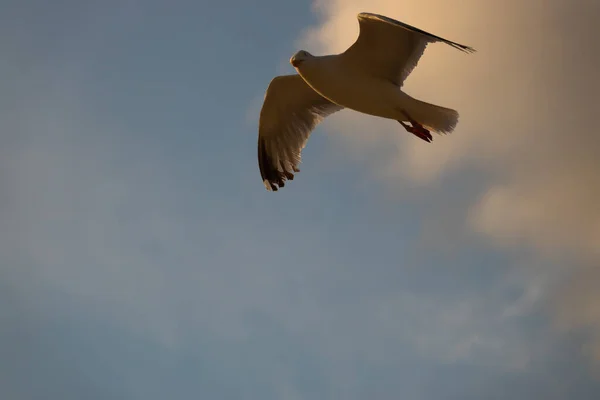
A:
x: 142, y: 258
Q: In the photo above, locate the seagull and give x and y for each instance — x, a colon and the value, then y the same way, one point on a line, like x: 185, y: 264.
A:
x: 366, y: 78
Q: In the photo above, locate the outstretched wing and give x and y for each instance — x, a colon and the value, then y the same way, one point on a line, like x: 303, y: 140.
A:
x: 290, y: 112
x: 391, y: 49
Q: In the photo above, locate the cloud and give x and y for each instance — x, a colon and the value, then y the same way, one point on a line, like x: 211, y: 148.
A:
x: 126, y: 260
x: 528, y: 129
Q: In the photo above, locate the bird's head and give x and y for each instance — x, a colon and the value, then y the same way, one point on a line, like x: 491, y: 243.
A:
x: 299, y: 58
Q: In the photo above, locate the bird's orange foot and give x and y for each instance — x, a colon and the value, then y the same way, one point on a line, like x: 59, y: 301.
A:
x: 422, y: 133
x: 418, y: 130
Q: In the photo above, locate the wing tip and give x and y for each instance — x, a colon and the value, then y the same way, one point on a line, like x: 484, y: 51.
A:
x: 273, y: 178
x: 463, y: 48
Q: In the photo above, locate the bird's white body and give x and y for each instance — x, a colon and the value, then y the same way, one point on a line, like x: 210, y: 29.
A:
x: 348, y: 87
x: 366, y: 78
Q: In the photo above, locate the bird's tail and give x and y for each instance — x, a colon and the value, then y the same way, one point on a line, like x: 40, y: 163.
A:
x: 435, y: 118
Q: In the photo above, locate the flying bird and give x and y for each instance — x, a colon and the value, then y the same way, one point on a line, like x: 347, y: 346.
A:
x: 367, y: 78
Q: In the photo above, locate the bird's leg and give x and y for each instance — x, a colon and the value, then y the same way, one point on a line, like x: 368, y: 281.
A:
x: 416, y: 129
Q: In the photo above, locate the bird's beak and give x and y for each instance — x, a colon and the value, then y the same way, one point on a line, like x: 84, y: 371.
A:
x: 295, y: 62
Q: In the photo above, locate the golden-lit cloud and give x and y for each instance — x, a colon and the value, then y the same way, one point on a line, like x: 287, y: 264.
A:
x: 528, y: 101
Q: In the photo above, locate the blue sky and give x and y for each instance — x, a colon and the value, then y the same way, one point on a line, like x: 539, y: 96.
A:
x: 142, y: 258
